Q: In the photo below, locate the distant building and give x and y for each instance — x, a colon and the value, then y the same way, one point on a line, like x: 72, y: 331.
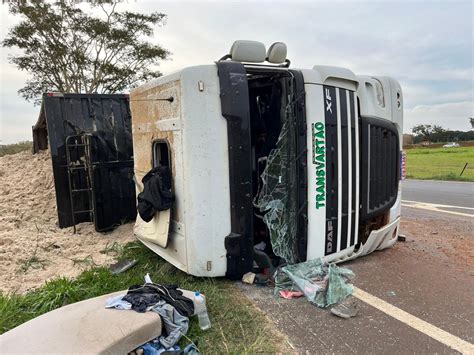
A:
x: 407, y: 139
x: 471, y: 119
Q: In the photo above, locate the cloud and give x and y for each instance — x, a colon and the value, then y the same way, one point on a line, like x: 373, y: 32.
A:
x: 427, y: 46
x: 449, y: 115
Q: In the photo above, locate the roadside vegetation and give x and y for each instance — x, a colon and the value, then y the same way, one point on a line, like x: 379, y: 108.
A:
x: 236, y: 325
x: 441, y: 163
x: 7, y: 149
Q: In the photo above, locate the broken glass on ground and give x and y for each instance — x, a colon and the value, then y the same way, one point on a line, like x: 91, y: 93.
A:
x: 323, y: 284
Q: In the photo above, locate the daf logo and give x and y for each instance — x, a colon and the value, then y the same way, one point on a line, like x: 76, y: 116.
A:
x: 329, y: 238
x: 328, y: 101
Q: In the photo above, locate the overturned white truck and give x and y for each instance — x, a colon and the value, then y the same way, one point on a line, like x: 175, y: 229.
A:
x: 304, y: 163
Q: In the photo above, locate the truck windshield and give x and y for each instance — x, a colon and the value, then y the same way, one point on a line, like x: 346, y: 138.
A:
x: 277, y: 183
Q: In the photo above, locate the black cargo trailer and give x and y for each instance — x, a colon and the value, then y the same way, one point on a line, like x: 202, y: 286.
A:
x: 90, y: 140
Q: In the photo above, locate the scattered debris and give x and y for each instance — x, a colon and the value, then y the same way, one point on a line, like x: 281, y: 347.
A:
x: 122, y: 266
x: 263, y: 261
x: 391, y: 293
x: 248, y: 278
x: 289, y: 295
x: 174, y: 307
x: 323, y: 284
x: 401, y: 238
x: 261, y: 279
x: 346, y: 309
x: 148, y: 279
x: 260, y: 246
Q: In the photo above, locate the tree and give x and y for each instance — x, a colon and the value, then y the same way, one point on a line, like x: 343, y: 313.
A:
x: 67, y: 50
x: 423, y: 130
x: 438, y: 130
x: 438, y: 134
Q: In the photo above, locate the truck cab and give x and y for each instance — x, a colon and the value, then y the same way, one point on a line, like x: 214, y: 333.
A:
x: 297, y: 163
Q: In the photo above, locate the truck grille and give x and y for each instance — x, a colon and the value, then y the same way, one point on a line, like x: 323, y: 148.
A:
x: 362, y: 168
x: 380, y: 168
x: 342, y: 169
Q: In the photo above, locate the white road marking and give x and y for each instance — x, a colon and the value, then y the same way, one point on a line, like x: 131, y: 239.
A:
x: 439, y: 205
x: 441, y: 181
x: 416, y: 323
x: 436, y: 207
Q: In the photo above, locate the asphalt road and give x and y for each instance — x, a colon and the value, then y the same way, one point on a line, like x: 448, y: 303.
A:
x: 439, y: 192
x: 430, y: 276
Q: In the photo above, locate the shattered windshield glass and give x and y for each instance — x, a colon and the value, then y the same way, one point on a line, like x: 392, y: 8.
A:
x: 322, y: 284
x: 277, y: 197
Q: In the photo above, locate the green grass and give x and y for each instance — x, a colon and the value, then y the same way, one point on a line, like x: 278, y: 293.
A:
x: 7, y: 149
x: 440, y: 163
x: 237, y: 326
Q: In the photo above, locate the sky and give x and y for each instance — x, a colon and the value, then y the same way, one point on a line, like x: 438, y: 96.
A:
x: 426, y: 45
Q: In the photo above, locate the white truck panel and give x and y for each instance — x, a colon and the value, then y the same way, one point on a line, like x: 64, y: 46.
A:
x: 316, y: 216
x: 206, y: 172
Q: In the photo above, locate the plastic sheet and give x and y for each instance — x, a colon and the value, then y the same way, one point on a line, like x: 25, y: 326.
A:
x: 322, y: 284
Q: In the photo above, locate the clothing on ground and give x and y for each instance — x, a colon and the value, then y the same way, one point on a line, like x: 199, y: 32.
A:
x: 143, y: 296
x: 118, y: 303
x: 154, y: 348
x: 174, y: 323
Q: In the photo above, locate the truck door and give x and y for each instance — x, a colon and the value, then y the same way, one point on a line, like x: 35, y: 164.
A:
x: 155, y: 231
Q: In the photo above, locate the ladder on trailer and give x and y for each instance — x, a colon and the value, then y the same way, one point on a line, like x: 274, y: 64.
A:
x: 80, y: 170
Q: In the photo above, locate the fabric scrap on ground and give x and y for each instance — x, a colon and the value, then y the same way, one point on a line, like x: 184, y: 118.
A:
x: 174, y: 323
x: 118, y: 303
x: 289, y: 295
x: 323, y: 284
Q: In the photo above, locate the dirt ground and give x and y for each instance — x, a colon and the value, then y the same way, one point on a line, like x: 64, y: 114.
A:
x: 438, y: 236
x: 33, y: 248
